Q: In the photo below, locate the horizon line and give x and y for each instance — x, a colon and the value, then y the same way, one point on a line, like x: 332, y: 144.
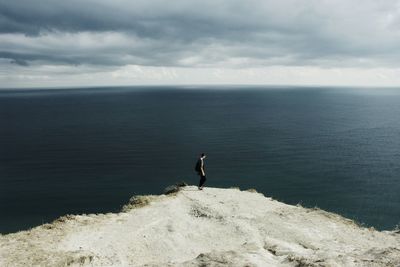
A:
x: 193, y: 86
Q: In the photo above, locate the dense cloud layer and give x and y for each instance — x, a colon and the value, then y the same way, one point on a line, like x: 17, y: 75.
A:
x: 200, y: 34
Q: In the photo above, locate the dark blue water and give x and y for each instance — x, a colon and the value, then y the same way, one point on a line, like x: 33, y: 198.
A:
x: 89, y: 150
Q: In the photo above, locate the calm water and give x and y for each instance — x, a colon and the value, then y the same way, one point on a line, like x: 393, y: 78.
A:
x: 89, y: 150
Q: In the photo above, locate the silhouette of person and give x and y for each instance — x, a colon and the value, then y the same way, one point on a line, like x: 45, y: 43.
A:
x: 201, y: 170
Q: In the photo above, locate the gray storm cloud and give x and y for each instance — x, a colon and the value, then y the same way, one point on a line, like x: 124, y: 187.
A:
x: 201, y: 33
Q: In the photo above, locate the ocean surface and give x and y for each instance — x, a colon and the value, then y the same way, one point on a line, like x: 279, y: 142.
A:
x: 88, y: 150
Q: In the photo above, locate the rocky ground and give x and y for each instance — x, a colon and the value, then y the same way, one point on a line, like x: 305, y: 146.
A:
x: 212, y: 227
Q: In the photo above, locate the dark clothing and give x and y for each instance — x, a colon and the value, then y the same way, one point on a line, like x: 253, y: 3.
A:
x: 202, y: 180
x: 199, y: 172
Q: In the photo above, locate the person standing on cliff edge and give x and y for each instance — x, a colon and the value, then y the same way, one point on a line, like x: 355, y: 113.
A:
x: 200, y: 170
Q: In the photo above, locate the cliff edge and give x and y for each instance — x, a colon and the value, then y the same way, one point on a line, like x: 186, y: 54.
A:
x: 212, y: 227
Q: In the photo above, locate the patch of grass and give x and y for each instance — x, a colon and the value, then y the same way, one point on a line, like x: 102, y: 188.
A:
x: 252, y: 190
x: 137, y: 202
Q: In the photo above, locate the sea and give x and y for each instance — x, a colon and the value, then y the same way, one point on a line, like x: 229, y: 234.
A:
x: 88, y: 150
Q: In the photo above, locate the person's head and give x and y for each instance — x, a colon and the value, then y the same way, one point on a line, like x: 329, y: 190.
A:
x: 203, y: 156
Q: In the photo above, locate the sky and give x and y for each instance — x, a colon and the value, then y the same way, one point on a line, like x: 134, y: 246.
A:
x: 53, y: 43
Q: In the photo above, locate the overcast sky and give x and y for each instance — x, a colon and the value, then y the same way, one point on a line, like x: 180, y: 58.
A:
x: 131, y: 42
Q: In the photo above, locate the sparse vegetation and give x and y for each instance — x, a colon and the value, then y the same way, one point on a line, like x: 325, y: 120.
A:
x: 252, y: 190
x: 137, y: 202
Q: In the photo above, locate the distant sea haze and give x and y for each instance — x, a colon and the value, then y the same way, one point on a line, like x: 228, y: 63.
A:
x: 89, y: 150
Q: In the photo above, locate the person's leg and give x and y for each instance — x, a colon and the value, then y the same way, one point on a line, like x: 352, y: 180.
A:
x: 202, y: 181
